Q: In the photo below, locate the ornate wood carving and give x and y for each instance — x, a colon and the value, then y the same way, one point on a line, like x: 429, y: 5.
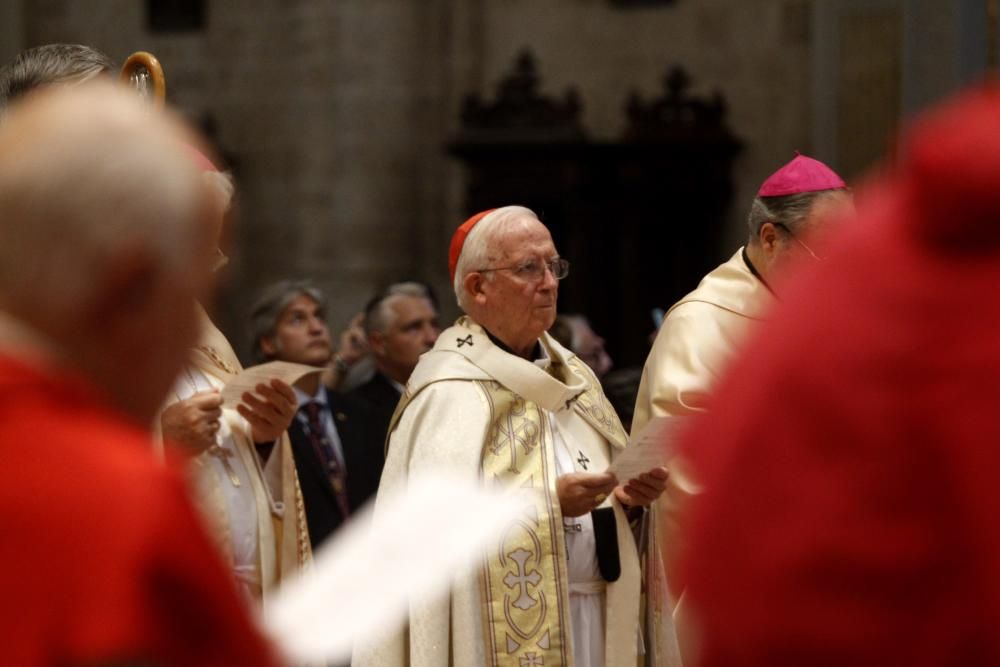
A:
x: 640, y: 218
x: 520, y: 109
x: 677, y: 115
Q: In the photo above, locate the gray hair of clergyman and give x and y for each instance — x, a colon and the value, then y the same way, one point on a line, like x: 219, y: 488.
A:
x: 379, y: 315
x: 52, y: 63
x: 478, y: 251
x: 271, y: 305
x: 789, y: 210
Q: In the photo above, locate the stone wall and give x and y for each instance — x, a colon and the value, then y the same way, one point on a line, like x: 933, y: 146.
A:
x: 755, y: 53
x: 336, y: 112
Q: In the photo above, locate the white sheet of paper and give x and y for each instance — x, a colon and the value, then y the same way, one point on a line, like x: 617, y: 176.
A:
x: 249, y: 378
x: 364, y: 579
x: 652, y: 447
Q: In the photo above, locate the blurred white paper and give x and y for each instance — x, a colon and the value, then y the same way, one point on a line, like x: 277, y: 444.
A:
x: 363, y: 580
x: 249, y: 378
x: 652, y: 447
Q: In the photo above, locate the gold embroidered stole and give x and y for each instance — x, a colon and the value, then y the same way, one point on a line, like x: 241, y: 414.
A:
x: 596, y: 409
x: 525, y: 586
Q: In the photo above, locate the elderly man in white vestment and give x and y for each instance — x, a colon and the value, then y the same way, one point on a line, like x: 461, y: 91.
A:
x: 704, y: 329
x: 244, y: 473
x: 497, y: 398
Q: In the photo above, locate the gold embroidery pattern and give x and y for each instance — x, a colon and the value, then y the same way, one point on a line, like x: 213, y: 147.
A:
x: 513, y: 432
x: 217, y: 359
x: 303, y: 548
x: 594, y: 406
x: 525, y: 574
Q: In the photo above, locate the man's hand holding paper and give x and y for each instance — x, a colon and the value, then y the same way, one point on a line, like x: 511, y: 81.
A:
x: 269, y: 409
x: 263, y: 395
x: 581, y: 492
x: 643, y: 490
x: 643, y: 463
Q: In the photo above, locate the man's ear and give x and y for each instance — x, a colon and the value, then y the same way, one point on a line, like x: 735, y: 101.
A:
x: 268, y: 346
x: 474, y: 283
x: 768, y: 237
x: 376, y: 343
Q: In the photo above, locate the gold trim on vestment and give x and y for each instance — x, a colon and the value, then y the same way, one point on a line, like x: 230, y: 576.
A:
x: 524, y: 577
x: 596, y: 409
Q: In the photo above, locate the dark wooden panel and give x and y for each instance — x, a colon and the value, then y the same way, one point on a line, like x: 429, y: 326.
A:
x: 166, y: 16
x: 638, y: 218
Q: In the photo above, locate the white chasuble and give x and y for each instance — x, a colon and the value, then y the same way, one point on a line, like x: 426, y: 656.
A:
x: 255, y: 512
x: 700, y: 333
x: 471, y: 408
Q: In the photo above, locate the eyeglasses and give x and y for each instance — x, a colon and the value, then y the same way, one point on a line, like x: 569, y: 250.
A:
x: 799, y: 241
x: 534, y: 270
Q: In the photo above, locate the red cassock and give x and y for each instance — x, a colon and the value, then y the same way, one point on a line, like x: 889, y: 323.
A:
x: 102, y: 558
x: 852, y: 454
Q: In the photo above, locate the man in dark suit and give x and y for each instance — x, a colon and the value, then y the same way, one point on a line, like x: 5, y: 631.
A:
x: 338, y: 459
x: 401, y: 323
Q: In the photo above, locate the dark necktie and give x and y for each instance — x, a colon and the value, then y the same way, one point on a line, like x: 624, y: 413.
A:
x: 327, y: 456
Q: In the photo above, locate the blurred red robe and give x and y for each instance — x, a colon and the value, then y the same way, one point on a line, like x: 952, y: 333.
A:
x: 102, y: 559
x: 852, y: 456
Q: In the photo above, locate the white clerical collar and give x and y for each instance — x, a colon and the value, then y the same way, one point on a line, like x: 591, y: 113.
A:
x: 319, y: 397
x: 400, y: 388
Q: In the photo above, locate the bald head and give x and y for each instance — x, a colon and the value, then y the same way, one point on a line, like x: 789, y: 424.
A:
x: 83, y: 172
x: 104, y: 222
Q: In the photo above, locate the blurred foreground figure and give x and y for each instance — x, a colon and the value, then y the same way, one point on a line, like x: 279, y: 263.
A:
x: 851, y: 459
x: 700, y: 334
x: 498, y: 399
x: 245, y: 508
x: 103, y: 560
x: 245, y: 475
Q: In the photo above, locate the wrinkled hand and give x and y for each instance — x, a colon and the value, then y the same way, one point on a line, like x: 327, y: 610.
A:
x: 643, y: 490
x: 194, y: 421
x: 270, y: 410
x: 581, y: 492
x: 353, y: 342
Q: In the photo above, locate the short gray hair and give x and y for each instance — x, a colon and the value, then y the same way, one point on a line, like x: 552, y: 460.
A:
x: 480, y: 243
x: 379, y: 314
x: 52, y: 63
x: 271, y: 304
x: 789, y: 210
